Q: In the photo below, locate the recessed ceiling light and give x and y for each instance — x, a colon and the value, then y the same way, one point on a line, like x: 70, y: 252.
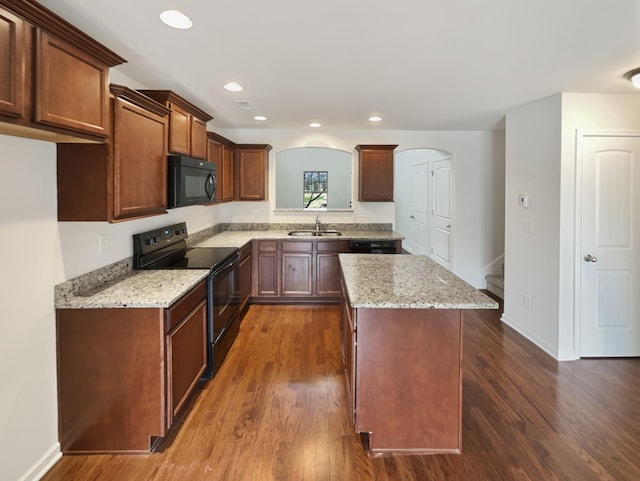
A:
x: 315, y: 125
x: 259, y: 117
x: 176, y: 19
x: 634, y: 77
x: 233, y: 87
x: 375, y: 118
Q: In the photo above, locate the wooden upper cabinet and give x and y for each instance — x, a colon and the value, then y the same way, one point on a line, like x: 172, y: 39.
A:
x: 13, y: 42
x: 53, y: 77
x: 187, y: 124
x: 252, y: 165
x: 71, y: 87
x: 220, y: 152
x: 121, y: 180
x: 375, y: 173
x: 198, y: 138
x: 139, y: 159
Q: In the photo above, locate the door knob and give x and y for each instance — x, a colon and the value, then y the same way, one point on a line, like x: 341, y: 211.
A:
x: 411, y: 217
x: 590, y: 258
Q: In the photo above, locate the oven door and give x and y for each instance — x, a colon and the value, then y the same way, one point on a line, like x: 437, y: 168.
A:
x: 225, y: 298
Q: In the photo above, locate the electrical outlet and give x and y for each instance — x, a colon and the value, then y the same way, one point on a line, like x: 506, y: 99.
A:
x: 526, y: 302
x: 528, y: 227
x: 103, y: 243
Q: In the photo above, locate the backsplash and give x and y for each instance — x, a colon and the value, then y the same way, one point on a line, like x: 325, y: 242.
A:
x: 104, y: 275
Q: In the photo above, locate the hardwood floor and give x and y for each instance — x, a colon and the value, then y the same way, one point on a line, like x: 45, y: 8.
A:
x: 277, y: 410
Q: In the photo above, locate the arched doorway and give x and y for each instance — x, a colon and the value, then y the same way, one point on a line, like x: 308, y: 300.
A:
x: 423, y: 208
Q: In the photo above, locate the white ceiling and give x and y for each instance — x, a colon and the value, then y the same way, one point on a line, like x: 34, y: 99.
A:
x: 420, y: 64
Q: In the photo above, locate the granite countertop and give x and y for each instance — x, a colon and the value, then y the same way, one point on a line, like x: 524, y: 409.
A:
x: 152, y: 288
x: 240, y: 238
x: 407, y: 282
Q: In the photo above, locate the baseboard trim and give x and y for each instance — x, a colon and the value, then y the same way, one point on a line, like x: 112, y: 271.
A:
x: 541, y: 343
x: 43, y: 465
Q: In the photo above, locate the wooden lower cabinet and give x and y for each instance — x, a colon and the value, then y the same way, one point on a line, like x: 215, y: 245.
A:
x: 297, y: 270
x: 265, y: 273
x: 186, y: 326
x: 328, y: 267
x: 124, y: 374
x: 404, y: 372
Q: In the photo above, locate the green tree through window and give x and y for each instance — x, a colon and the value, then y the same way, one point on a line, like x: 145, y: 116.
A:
x: 315, y: 189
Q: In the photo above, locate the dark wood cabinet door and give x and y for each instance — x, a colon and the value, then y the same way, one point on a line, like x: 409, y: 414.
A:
x: 179, y: 131
x: 198, y: 139
x: 226, y: 174
x: 71, y: 88
x: 348, y: 339
x: 253, y: 168
x: 297, y: 268
x: 265, y: 274
x: 375, y: 177
x: 139, y: 157
x: 186, y: 358
x: 13, y: 43
x: 214, y: 155
x: 328, y: 267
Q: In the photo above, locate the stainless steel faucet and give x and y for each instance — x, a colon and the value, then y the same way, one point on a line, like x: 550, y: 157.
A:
x: 317, y: 223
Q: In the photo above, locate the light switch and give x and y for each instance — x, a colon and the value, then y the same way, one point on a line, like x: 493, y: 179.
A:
x: 523, y: 200
x: 103, y: 243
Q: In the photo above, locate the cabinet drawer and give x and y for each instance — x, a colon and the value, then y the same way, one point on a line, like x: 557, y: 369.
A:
x: 187, y: 303
x: 268, y: 246
x: 332, y: 246
x: 297, y: 246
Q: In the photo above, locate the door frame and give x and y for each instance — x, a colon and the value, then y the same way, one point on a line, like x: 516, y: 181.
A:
x: 577, y: 237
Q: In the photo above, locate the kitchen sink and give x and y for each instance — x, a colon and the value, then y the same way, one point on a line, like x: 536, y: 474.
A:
x: 321, y: 233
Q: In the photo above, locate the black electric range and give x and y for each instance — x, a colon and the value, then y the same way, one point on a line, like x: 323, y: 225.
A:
x: 166, y: 248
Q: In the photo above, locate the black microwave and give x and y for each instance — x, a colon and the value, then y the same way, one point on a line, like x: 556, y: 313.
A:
x: 190, y: 181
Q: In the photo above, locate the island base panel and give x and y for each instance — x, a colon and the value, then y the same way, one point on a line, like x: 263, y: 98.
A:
x: 409, y: 379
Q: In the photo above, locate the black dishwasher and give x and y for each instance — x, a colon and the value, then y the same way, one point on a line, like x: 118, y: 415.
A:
x: 372, y: 246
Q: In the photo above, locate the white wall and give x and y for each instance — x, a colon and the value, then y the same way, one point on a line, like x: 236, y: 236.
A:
x: 541, y: 162
x: 531, y: 259
x: 478, y: 174
x: 31, y: 264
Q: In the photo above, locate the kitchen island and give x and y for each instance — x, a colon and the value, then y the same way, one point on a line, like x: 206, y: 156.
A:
x: 401, y: 329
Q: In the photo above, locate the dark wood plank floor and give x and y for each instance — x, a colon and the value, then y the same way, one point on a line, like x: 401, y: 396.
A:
x: 277, y: 410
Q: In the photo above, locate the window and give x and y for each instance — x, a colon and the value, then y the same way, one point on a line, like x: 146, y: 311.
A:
x: 314, y: 191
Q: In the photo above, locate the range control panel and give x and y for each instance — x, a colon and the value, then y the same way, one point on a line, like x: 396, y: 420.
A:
x: 153, y: 240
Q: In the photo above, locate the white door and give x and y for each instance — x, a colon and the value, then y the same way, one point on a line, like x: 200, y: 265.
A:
x: 441, y: 213
x: 609, y: 249
x: 419, y: 208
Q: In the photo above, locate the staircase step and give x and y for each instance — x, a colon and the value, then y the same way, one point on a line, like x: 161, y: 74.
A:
x: 495, y: 285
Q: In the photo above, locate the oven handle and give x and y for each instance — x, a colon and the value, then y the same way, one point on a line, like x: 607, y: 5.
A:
x: 227, y: 265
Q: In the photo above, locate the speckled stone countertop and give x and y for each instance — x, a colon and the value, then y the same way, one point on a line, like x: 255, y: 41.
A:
x: 159, y: 288
x: 240, y: 238
x: 407, y: 282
